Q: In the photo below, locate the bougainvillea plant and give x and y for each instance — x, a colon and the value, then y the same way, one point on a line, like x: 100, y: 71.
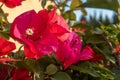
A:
x: 58, y: 47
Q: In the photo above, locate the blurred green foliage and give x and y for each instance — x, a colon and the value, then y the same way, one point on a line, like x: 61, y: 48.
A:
x: 101, y: 35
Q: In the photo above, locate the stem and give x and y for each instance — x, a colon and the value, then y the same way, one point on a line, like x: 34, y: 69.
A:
x: 1, y: 11
x: 1, y: 5
x: 19, y: 50
x: 108, y: 41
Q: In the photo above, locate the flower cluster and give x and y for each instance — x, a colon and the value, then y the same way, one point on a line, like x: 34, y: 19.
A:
x: 11, y: 3
x: 5, y: 48
x: 42, y: 34
x: 45, y: 32
x: 14, y: 74
x: 117, y: 49
x: 59, y: 47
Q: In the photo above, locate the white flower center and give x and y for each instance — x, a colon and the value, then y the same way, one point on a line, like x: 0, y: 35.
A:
x: 29, y: 31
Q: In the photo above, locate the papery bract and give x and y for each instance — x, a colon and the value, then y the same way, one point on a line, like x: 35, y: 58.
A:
x: 117, y: 49
x: 6, y: 46
x: 96, y: 58
x: 11, y: 3
x: 21, y: 74
x: 14, y: 74
x: 54, y: 18
x: 4, y: 72
x: 71, y: 51
x: 38, y: 32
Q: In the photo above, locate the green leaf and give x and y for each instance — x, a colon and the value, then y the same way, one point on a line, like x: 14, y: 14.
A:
x: 85, y: 68
x: 94, y: 70
x: 41, y: 76
x: 98, y: 31
x: 69, y: 15
x: 104, y: 4
x: 49, y: 7
x: 4, y: 34
x: 52, y: 78
x: 116, y: 74
x: 80, y: 25
x: 29, y: 64
x: 108, y: 54
x: 90, y: 37
x: 20, y: 64
x: 74, y: 5
x: 45, y: 61
x: 33, y: 65
x: 118, y: 36
x: 43, y: 3
x: 51, y: 69
x: 61, y: 76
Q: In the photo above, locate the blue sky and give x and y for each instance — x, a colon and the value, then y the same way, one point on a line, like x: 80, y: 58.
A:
x: 91, y: 11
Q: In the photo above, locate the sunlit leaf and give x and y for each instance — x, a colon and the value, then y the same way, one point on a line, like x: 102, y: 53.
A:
x: 80, y: 25
x: 74, y: 5
x: 4, y: 34
x: 94, y: 70
x: 104, y: 4
x: 98, y: 31
x: 51, y: 69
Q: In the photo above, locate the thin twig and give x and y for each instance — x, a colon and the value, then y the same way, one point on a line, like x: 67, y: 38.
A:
x: 108, y: 42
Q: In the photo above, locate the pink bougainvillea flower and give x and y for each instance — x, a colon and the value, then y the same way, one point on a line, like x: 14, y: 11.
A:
x: 117, y: 49
x: 11, y: 3
x: 6, y: 46
x: 21, y: 74
x: 54, y: 18
x: 71, y: 51
x: 7, y: 72
x: 38, y: 31
x: 4, y: 72
x: 96, y: 58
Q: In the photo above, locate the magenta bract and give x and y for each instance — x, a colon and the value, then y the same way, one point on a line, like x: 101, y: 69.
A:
x: 71, y: 51
x: 40, y: 32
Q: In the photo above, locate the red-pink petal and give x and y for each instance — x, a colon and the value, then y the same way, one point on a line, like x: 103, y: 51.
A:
x: 21, y: 74
x: 54, y: 18
x: 4, y: 72
x: 96, y: 58
x: 48, y: 43
x: 6, y: 47
x: 65, y: 55
x: 86, y: 54
x: 21, y: 24
x: 30, y: 50
x: 57, y: 29
x: 11, y: 3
